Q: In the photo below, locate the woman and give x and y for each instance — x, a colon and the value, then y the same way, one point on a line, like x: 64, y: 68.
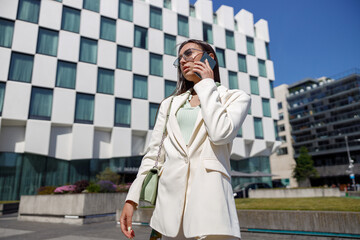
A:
x: 195, y: 198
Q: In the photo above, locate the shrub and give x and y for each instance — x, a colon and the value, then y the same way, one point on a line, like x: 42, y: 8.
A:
x: 65, y: 189
x: 106, y: 186
x: 44, y: 190
x: 108, y: 175
x: 93, y: 188
x: 81, y: 186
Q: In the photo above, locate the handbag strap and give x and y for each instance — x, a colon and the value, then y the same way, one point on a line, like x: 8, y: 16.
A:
x: 164, y: 133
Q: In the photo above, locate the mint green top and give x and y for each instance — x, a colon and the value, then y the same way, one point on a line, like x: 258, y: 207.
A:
x: 186, y: 117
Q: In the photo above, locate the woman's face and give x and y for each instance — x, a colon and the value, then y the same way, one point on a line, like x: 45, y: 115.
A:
x: 194, y: 52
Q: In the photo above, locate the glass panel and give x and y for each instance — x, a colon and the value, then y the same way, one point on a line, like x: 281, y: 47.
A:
x: 126, y: 10
x: 276, y: 130
x: 10, y: 175
x: 250, y: 46
x: 221, y: 57
x: 21, y: 67
x: 140, y: 37
x: 108, y: 29
x: 258, y: 128
x: 233, y: 80
x: 254, y: 86
x: 140, y: 89
x: 6, y: 32
x: 215, y: 20
x: 66, y: 74
x: 84, y: 112
x: 57, y: 172
x: 183, y: 26
x: 88, y: 50
x: 230, y: 42
x: 79, y: 170
x: 41, y: 103
x: 192, y: 11
x: 262, y: 68
x: 156, y: 18
x: 47, y: 42
x: 170, y: 45
x: 242, y: 63
x: 153, y: 108
x: 70, y: 19
x: 271, y: 88
x: 105, y: 81
x: 28, y: 10
x: 2, y: 95
x: 239, y: 134
x: 92, y: 5
x: 170, y: 87
x: 156, y: 65
x: 167, y: 4
x: 122, y: 112
x: 267, y: 50
x: 266, y: 107
x: 32, y: 174
x: 207, y: 33
x: 124, y: 58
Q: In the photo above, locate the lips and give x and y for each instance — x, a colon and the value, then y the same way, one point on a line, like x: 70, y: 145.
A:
x: 185, y: 68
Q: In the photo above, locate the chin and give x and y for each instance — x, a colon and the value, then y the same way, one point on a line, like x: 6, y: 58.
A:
x: 191, y: 77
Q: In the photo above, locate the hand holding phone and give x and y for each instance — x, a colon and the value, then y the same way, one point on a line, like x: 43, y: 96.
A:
x: 211, y: 61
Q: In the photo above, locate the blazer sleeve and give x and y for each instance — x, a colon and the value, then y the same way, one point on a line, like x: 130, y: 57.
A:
x: 222, y: 120
x: 149, y: 159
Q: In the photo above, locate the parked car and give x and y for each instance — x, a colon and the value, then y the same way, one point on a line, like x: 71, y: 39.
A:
x: 242, y: 189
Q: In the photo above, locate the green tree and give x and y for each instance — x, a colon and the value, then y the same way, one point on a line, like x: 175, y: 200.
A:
x: 304, y: 168
x: 109, y: 175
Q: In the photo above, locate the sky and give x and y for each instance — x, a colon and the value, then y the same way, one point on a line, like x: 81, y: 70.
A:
x: 308, y: 38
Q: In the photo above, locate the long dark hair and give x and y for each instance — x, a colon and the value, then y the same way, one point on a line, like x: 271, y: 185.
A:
x: 182, y: 84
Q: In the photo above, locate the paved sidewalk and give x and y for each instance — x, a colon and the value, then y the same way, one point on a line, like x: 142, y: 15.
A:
x: 12, y: 229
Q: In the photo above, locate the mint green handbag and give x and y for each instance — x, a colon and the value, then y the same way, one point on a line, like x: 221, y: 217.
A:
x: 150, y: 185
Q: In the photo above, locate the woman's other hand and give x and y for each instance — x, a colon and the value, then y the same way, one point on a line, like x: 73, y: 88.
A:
x: 126, y: 219
x: 203, y: 69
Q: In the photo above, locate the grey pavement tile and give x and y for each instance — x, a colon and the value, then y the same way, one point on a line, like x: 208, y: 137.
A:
x: 7, y: 232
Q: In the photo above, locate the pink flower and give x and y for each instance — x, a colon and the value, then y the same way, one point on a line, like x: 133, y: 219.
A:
x: 65, y: 189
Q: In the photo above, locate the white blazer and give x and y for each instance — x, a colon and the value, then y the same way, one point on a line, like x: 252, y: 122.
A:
x: 195, y: 178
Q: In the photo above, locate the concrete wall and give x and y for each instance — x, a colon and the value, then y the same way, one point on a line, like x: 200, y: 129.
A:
x: 294, y: 193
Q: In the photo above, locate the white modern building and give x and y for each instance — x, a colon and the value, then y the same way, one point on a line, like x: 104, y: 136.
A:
x: 81, y: 81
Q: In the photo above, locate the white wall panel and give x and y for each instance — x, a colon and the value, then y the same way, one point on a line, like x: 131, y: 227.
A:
x: 37, y: 137
x: 86, y: 77
x: 102, y: 146
x: 69, y: 45
x: 240, y: 43
x: 50, y: 14
x: 156, y: 41
x: 225, y: 17
x: 121, y: 142
x: 252, y: 65
x: 139, y: 114
x: 262, y: 30
x: 170, y: 72
x: 109, y: 8
x: 244, y: 82
x: 245, y: 22
x: 157, y: 3
x: 12, y: 138
x: 156, y: 89
x: 231, y: 60
x: 204, y: 10
x: 141, y: 12
x: 104, y: 110
x: 274, y: 109
x: 123, y: 86
x: 82, y: 141
x: 60, y: 142
x: 260, y: 48
x: 256, y: 110
x: 195, y: 28
x: 89, y: 24
x: 169, y: 21
x: 8, y: 9
x: 224, y: 77
x: 140, y: 61
x: 264, y: 87
x: 72, y: 3
x: 25, y: 37
x: 63, y: 108
x: 248, y: 127
x: 106, y: 54
x: 270, y: 69
x: 269, y: 130
x: 5, y: 56
x: 44, y: 71
x: 124, y: 33
x: 17, y: 100
x: 181, y: 6
x: 219, y: 36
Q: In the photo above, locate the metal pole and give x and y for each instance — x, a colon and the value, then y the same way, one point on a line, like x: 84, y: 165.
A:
x: 351, y: 166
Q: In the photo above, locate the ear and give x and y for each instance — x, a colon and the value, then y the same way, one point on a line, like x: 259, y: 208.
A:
x: 212, y: 55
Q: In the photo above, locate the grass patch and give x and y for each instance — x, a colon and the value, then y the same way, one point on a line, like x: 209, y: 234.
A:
x: 304, y: 204
x: 3, y: 202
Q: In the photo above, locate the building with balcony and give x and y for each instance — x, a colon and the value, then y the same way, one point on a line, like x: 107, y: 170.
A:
x: 81, y: 81
x: 322, y: 113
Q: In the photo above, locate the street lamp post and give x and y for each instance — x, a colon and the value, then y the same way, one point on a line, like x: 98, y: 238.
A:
x: 351, y: 164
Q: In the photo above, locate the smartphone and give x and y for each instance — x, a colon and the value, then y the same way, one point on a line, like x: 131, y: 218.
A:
x: 211, y: 61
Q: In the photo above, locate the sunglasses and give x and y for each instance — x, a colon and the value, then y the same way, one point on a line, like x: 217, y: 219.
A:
x: 189, y: 56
